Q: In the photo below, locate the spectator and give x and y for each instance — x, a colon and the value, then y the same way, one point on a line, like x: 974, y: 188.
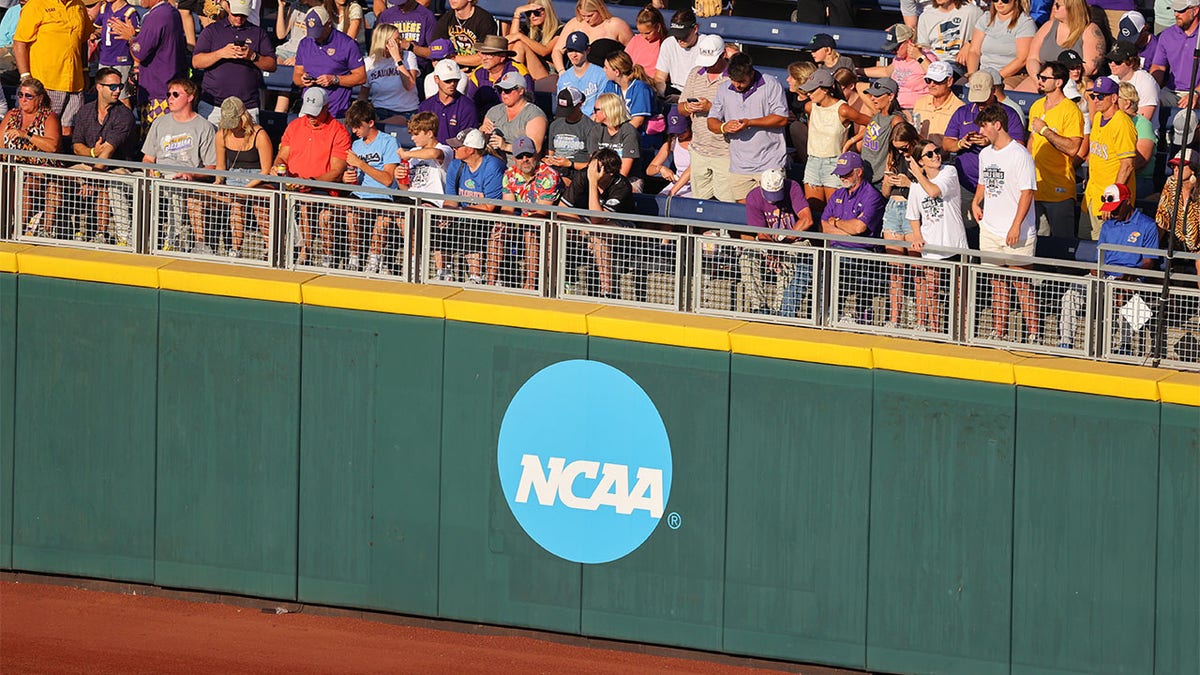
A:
x: 752, y: 113
x: 314, y: 147
x: 777, y: 204
x: 587, y: 77
x: 856, y: 210
x: 1178, y: 212
x: 423, y: 169
x: 710, y: 149
x: 946, y: 27
x: 908, y: 68
x: 1056, y: 127
x: 673, y: 162
x: 614, y: 132
x: 465, y: 25
x: 1112, y: 145
x: 1133, y: 29
x: 496, y: 63
x: 371, y: 163
x: 328, y: 59
x: 184, y: 140
x: 848, y: 81
x: 605, y: 32
x: 1074, y: 89
x: 105, y: 129
x: 8, y: 62
x: 527, y: 181
x: 1114, y: 11
x: 1147, y: 140
x: 348, y: 18
x: 289, y: 27
x: 876, y: 139
x: 935, y: 186
x: 645, y: 46
x: 605, y: 190
x: 514, y: 116
x: 1172, y: 62
x: 569, y: 135
x: 1003, y: 207
x: 631, y: 83
x: 531, y: 36
x: 896, y: 183
x: 829, y: 120
x: 1124, y: 225
x: 234, y: 54
x: 112, y: 50
x: 49, y: 44
x: 1070, y: 27
x: 473, y: 173
x: 159, y: 55
x: 440, y: 50
x: 677, y: 55
x: 963, y: 135
x: 932, y: 112
x: 456, y: 113
x: 825, y: 53
x: 1001, y: 40
x: 243, y: 147
x: 33, y: 126
x: 391, y: 76
x: 1125, y: 65
x: 798, y: 100
x: 414, y: 21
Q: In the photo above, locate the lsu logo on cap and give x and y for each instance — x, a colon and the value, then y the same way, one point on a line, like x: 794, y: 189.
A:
x: 584, y: 461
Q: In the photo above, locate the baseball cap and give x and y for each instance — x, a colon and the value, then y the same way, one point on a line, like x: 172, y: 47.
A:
x: 1071, y: 90
x: 897, y: 34
x: 523, y: 145
x: 772, y: 183
x: 709, y: 49
x: 822, y: 78
x: 315, y: 22
x: 1070, y: 58
x: 440, y: 49
x: 511, y: 80
x: 570, y: 97
x: 881, y: 86
x: 939, y: 71
x: 1180, y: 5
x: 447, y: 70
x: 1104, y: 85
x: 239, y: 7
x: 849, y: 161
x: 821, y: 41
x: 469, y: 138
x: 232, y: 110
x: 1121, y: 52
x: 577, y: 41
x: 1188, y: 155
x: 1183, y: 128
x: 682, y: 24
x: 311, y: 104
x: 1131, y: 26
x: 1114, y: 196
x: 979, y: 87
x: 677, y: 122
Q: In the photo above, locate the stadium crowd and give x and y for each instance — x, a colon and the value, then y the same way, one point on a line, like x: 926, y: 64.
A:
x: 585, y: 111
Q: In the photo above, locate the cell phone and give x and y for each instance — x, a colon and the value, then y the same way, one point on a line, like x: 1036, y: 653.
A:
x: 693, y: 100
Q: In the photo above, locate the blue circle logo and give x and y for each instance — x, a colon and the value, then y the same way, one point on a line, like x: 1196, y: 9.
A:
x: 585, y: 462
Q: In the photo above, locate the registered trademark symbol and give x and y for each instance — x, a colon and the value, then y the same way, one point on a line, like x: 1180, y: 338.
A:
x: 674, y: 521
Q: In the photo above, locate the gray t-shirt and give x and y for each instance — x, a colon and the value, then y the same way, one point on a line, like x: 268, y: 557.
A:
x: 516, y: 127
x: 183, y: 144
x: 1000, y: 41
x: 624, y: 142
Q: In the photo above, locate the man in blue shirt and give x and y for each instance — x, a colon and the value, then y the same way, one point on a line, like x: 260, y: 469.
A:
x: 585, y: 76
x: 371, y: 162
x: 473, y: 173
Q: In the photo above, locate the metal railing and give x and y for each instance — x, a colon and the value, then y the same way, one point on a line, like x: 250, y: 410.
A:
x: 1026, y: 304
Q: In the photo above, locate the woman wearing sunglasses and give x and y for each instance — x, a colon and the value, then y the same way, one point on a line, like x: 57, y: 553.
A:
x: 531, y: 35
x: 33, y: 126
x: 936, y: 219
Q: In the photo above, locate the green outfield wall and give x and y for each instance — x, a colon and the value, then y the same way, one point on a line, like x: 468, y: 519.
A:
x: 839, y: 499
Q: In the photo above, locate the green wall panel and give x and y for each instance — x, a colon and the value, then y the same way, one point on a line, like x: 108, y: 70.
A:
x: 229, y: 400
x: 84, y: 433
x: 8, y: 368
x: 1084, y: 534
x: 371, y: 405
x: 489, y: 569
x: 799, y: 475
x: 670, y: 590
x: 1177, y: 638
x: 940, y: 568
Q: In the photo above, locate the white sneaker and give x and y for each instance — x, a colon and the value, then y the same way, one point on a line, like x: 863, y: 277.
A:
x: 326, y: 261
x: 353, y: 264
x: 373, y: 264
x: 233, y: 253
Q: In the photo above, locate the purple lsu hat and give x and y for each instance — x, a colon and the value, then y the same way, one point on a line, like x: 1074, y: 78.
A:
x: 441, y: 49
x: 849, y: 161
x: 1104, y: 86
x: 677, y: 122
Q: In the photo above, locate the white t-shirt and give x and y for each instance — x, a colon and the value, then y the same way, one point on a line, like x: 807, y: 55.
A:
x: 947, y: 32
x: 1004, y: 175
x: 429, y: 175
x: 940, y: 226
x: 387, y: 87
x: 1146, y: 85
x: 675, y: 61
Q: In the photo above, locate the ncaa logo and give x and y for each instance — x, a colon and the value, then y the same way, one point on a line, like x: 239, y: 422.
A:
x: 584, y: 461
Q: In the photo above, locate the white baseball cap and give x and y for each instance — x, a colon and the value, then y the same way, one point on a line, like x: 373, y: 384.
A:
x: 239, y: 7
x: 939, y: 71
x: 447, y: 70
x: 709, y: 49
x: 313, y: 102
x: 470, y: 138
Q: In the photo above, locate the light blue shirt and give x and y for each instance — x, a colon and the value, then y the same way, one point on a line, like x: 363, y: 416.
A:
x: 378, y: 153
x: 8, y: 26
x: 590, y: 84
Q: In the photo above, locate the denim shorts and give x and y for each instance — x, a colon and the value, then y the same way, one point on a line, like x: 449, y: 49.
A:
x: 894, y: 219
x: 819, y: 171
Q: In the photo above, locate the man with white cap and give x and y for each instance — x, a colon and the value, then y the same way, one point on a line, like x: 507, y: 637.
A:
x: 709, y: 150
x: 234, y: 54
x: 1133, y: 29
x: 677, y: 53
x: 779, y: 207
x: 314, y: 147
x: 514, y: 116
x: 751, y: 111
x: 474, y: 173
x: 1056, y: 133
x: 932, y: 112
x: 329, y: 59
x: 455, y: 111
x: 1172, y: 61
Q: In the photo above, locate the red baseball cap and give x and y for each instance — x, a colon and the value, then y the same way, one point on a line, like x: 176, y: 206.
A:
x: 1114, y: 195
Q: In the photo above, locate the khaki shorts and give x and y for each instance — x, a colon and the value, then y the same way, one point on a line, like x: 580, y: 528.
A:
x: 711, y: 178
x: 740, y: 184
x: 990, y: 243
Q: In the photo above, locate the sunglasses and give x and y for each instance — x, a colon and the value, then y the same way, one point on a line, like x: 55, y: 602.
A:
x: 1001, y: 2
x: 174, y: 94
x: 1109, y: 199
x: 929, y: 81
x: 1097, y: 97
x: 930, y: 154
x: 536, y: 12
x: 523, y: 155
x: 113, y: 87
x: 25, y: 95
x: 1046, y: 78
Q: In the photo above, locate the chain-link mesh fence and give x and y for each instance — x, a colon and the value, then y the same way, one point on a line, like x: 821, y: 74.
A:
x: 360, y: 236
x: 894, y: 294
x: 733, y: 277
x: 204, y: 220
x: 469, y: 247
x: 1034, y: 311
x: 624, y: 265
x: 1134, y: 313
x: 92, y: 207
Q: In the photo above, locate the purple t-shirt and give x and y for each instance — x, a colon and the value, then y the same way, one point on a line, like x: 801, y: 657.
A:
x: 113, y: 51
x: 481, y: 87
x: 1147, y: 53
x: 229, y: 77
x: 1175, y: 52
x: 753, y: 149
x: 864, y: 203
x: 415, y: 25
x: 160, y: 50
x: 770, y: 215
x: 338, y: 56
x: 459, y: 115
x: 962, y: 122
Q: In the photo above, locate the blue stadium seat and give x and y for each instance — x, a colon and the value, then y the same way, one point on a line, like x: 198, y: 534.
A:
x: 274, y: 123
x: 1024, y: 99
x: 709, y: 210
x: 280, y: 80
x: 787, y: 35
x: 650, y: 205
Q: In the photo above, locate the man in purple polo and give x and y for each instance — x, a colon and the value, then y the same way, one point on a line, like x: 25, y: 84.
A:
x: 456, y: 113
x: 963, y: 139
x: 329, y: 59
x: 414, y: 21
x: 160, y: 54
x: 855, y: 210
x: 752, y: 113
x: 233, y: 53
x: 1172, y: 63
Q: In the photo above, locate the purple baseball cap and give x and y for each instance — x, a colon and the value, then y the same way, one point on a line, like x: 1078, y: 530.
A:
x: 677, y: 122
x: 441, y: 49
x: 1104, y: 86
x: 849, y: 161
